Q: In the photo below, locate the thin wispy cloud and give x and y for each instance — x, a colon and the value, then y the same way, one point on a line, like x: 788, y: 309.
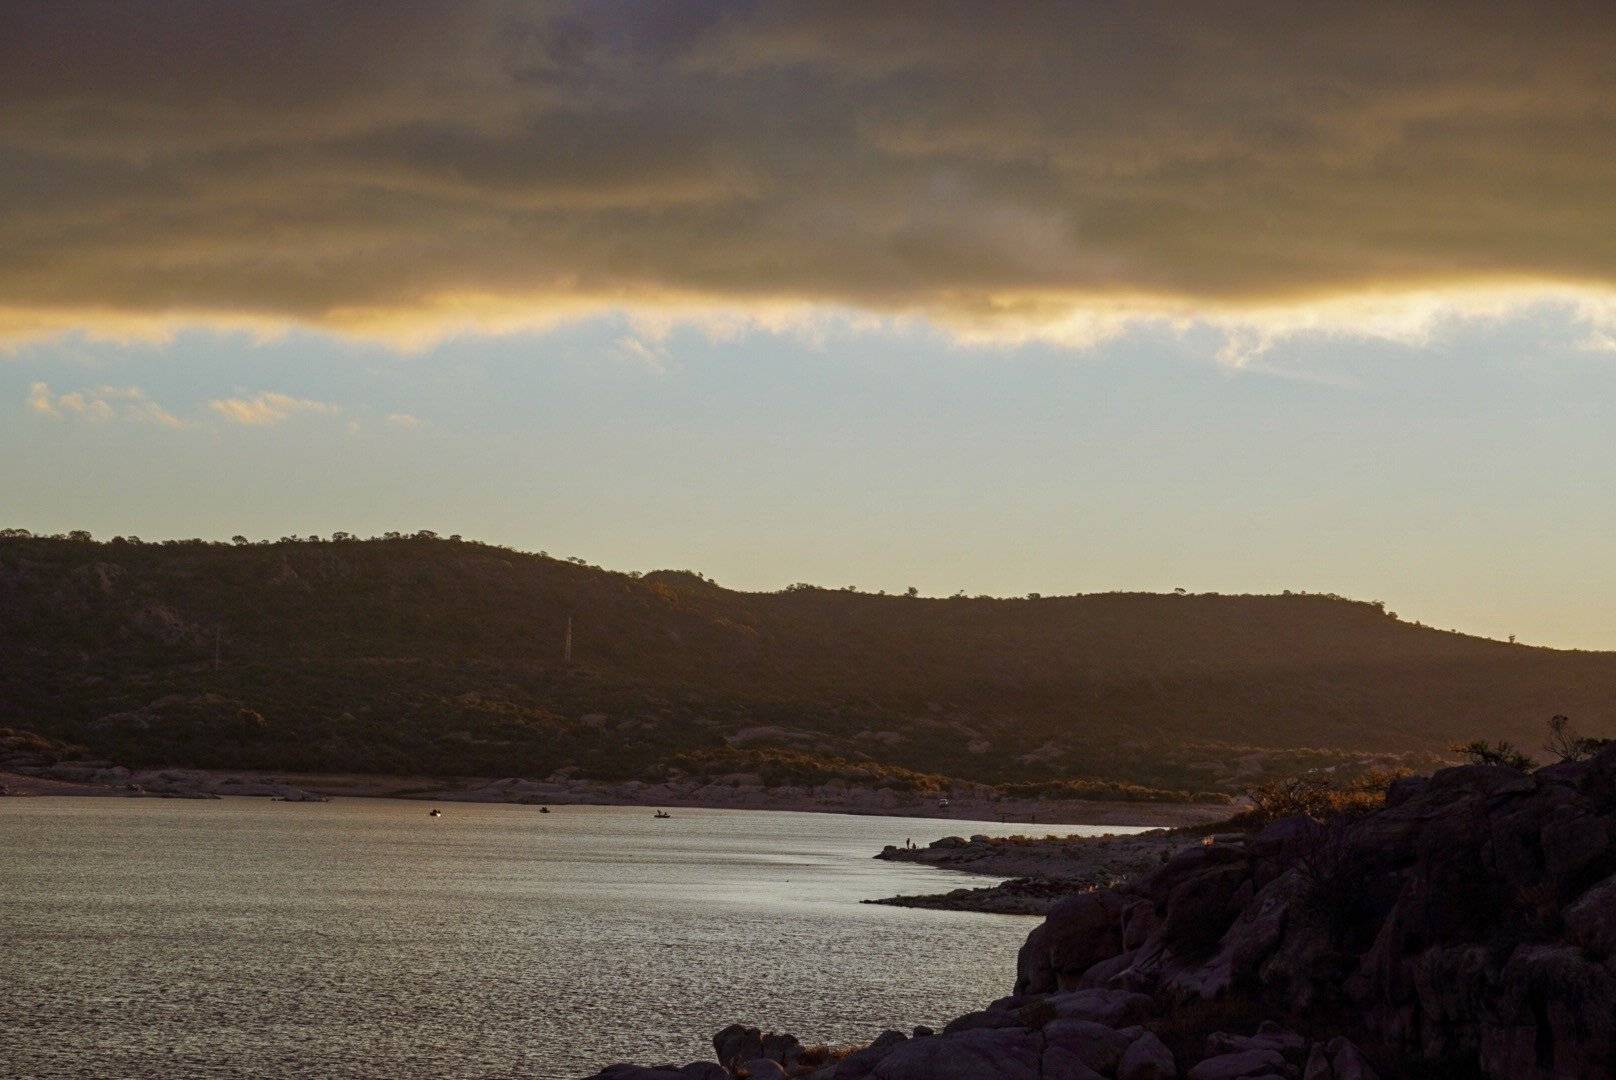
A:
x: 651, y: 354
x: 1044, y: 172
x: 100, y: 405
x: 269, y: 408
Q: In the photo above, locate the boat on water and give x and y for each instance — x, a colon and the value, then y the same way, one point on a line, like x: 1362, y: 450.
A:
x: 434, y: 812
x: 544, y: 809
x: 662, y: 814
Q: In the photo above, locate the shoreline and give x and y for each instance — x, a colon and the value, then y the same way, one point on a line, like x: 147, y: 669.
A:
x: 106, y: 780
x: 1041, y: 871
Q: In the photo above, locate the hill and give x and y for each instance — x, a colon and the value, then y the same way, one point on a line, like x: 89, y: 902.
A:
x: 418, y: 653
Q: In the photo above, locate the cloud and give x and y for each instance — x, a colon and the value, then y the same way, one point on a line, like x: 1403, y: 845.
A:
x: 103, y: 403
x: 407, y: 421
x: 1045, y: 172
x: 650, y: 353
x: 268, y: 408
x: 40, y: 400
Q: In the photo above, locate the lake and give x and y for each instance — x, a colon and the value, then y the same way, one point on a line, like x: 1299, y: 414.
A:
x: 362, y: 938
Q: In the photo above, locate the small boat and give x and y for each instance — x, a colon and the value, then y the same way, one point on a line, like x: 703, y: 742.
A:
x: 544, y: 809
x: 434, y: 812
x: 662, y: 814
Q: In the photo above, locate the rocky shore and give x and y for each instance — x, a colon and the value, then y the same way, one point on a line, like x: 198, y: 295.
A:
x: 1467, y: 928
x: 1045, y: 869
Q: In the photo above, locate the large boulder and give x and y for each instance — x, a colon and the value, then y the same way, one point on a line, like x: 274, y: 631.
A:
x: 861, y: 1063
x: 1078, y: 933
x: 1243, y: 1064
x: 737, y: 1043
x: 1338, y: 1059
x: 1553, y: 1016
x: 981, y: 1054
x: 1591, y: 921
x: 1114, y: 1008
x: 1097, y: 1046
x: 1147, y: 1058
x: 786, y: 1049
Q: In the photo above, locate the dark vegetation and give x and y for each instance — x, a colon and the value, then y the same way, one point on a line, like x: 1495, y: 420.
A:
x: 417, y: 653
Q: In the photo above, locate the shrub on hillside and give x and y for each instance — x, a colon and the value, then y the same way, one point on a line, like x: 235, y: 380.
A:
x: 1317, y: 797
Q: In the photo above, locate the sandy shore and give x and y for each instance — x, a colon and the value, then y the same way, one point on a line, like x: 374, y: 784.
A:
x: 99, y: 779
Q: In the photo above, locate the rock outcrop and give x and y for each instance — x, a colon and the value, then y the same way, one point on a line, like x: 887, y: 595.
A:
x: 1470, y: 923
x: 1467, y: 928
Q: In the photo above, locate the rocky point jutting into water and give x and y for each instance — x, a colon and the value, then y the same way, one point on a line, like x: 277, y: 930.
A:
x: 1046, y: 869
x: 1467, y: 929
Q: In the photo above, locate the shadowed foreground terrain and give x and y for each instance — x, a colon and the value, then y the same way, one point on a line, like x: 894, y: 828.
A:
x: 420, y: 654
x: 1466, y: 928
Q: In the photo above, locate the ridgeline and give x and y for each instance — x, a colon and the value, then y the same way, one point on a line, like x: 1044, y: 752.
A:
x: 420, y: 654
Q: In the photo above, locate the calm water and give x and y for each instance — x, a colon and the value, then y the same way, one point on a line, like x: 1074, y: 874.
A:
x: 361, y: 938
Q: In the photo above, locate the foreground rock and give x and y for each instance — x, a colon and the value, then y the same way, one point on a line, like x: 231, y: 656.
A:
x: 1468, y: 924
x: 1468, y: 928
x: 1080, y: 1035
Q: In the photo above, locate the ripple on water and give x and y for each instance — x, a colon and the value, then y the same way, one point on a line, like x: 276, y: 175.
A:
x: 360, y: 938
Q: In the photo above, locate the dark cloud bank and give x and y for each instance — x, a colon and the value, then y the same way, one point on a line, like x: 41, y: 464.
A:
x: 342, y: 162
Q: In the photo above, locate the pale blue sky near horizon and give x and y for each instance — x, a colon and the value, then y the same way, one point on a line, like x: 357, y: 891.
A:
x: 1464, y: 477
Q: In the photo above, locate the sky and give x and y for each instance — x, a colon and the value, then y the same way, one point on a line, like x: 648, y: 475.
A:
x: 1059, y: 298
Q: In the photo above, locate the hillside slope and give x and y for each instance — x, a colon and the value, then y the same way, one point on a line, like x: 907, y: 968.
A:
x: 420, y: 653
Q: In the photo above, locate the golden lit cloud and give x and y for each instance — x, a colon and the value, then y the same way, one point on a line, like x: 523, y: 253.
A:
x: 103, y: 403
x: 268, y: 408
x: 1008, y: 172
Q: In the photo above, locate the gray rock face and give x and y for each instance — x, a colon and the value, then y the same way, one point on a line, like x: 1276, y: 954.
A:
x: 1079, y: 932
x: 784, y: 1049
x: 737, y: 1043
x: 1245, y: 1063
x: 1097, y: 1046
x: 861, y: 1063
x: 1147, y: 1058
x: 703, y: 1070
x: 1471, y: 923
x: 1058, y: 1063
x: 1269, y: 1036
x: 1339, y: 1059
x: 982, y: 1054
x: 1591, y: 921
x: 1116, y: 1008
x: 763, y: 1069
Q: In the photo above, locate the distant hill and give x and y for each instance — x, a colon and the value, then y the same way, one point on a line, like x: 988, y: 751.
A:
x: 419, y: 653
